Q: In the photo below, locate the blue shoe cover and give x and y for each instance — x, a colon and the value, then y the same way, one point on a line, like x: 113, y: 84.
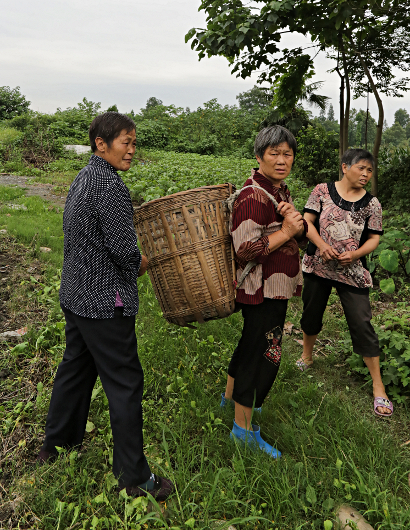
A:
x: 225, y: 401
x: 253, y: 439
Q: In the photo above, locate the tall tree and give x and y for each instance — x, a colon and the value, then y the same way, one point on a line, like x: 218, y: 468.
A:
x: 12, y: 103
x: 364, y: 35
x: 255, y: 98
x: 395, y: 135
x: 402, y: 117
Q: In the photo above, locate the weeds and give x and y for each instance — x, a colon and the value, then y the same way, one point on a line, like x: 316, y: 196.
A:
x: 334, y: 450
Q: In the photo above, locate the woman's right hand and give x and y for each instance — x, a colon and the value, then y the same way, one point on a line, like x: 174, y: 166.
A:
x: 292, y: 224
x: 327, y: 253
x: 143, y: 266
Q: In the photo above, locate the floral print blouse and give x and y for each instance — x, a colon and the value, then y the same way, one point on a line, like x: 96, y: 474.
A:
x: 345, y: 226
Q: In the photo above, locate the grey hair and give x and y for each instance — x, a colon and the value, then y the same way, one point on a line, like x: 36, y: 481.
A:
x: 353, y: 156
x: 272, y: 137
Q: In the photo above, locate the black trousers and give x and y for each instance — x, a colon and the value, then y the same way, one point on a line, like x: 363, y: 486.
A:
x: 256, y: 360
x: 356, y: 307
x: 108, y: 348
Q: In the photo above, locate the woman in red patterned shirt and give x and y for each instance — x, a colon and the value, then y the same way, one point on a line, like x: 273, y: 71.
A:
x: 265, y: 235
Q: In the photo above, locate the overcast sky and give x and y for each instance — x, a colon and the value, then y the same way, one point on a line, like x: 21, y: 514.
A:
x: 123, y: 52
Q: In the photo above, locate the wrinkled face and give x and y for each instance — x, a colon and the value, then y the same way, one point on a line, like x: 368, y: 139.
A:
x: 276, y: 163
x: 358, y: 174
x: 121, y: 151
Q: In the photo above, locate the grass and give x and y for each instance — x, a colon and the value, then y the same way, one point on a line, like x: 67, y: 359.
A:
x: 334, y: 449
x: 60, y: 172
x: 34, y: 222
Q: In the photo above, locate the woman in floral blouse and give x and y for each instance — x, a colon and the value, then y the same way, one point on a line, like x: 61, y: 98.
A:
x: 345, y: 224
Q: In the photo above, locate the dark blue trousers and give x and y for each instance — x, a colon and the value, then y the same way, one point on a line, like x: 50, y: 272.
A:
x: 105, y: 348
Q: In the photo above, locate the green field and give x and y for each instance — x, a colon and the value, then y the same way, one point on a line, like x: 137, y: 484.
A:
x: 334, y: 449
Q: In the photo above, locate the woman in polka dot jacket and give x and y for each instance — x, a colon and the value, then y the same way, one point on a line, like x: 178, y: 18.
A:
x: 99, y: 297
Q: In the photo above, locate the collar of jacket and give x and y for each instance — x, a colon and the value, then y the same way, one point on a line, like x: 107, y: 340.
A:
x: 98, y: 161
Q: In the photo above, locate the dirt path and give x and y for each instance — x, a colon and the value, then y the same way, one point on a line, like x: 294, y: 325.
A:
x: 46, y: 191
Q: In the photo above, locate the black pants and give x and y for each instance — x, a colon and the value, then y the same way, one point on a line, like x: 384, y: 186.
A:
x: 356, y: 307
x: 108, y: 348
x: 255, y: 361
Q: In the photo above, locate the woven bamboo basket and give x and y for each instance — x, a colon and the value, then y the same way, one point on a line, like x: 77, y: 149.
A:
x: 185, y: 237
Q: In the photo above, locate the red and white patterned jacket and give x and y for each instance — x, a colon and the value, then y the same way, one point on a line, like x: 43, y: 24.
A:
x: 278, y: 273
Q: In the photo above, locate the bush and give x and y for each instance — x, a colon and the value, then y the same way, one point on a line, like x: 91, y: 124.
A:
x: 20, y: 122
x: 39, y: 145
x: 394, y: 173
x: 8, y: 137
x: 209, y: 145
x: 151, y: 134
x: 394, y: 337
x: 318, y: 156
x: 9, y: 147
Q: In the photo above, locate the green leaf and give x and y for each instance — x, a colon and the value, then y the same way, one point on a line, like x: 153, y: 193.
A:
x: 123, y: 494
x: 101, y: 498
x: 190, y: 522
x: 389, y: 260
x: 328, y: 504
x: 408, y: 267
x: 339, y: 464
x: 387, y: 286
x: 20, y: 348
x: 190, y: 34
x: 328, y: 525
x: 111, y: 481
x: 90, y: 426
x: 311, y: 495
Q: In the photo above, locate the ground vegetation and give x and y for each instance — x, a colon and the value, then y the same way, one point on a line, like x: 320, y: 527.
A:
x: 334, y: 449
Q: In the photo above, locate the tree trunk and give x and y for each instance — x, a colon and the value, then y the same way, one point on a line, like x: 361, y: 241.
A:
x: 379, y: 131
x: 341, y: 119
x: 347, y: 107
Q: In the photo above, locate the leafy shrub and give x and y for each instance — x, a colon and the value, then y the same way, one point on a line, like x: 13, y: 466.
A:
x: 151, y: 134
x: 70, y: 125
x: 317, y: 158
x: 209, y: 145
x: 394, y: 174
x: 394, y: 338
x: 39, y: 146
x: 392, y: 255
x: 9, y: 137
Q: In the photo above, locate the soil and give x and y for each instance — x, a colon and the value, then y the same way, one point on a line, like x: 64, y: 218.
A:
x: 46, y: 191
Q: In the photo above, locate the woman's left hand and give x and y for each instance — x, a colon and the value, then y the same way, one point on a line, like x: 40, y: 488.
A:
x: 346, y: 258
x: 284, y: 208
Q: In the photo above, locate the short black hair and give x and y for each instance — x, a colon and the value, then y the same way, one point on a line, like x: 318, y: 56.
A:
x: 353, y: 156
x: 273, y: 136
x: 108, y: 126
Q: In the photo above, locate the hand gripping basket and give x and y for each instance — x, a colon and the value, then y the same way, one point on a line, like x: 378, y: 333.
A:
x: 186, y: 239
